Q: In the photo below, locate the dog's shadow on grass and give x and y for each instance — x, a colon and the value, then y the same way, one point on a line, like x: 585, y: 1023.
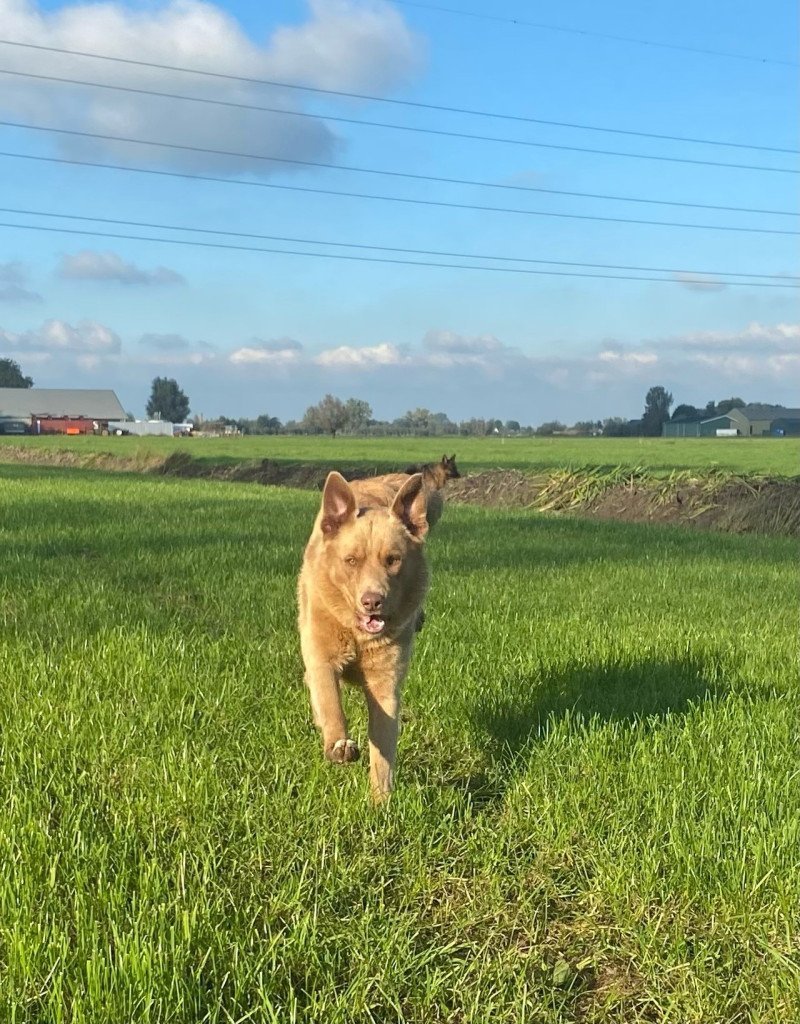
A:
x: 521, y: 711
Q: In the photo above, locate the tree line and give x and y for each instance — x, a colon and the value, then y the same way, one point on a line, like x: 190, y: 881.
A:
x: 333, y: 416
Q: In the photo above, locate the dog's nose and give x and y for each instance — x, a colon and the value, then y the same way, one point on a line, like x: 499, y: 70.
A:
x: 371, y: 601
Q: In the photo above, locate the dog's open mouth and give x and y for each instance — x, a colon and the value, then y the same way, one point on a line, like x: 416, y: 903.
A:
x: 371, y: 623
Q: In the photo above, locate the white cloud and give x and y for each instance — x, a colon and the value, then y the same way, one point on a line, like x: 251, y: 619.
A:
x: 13, y: 288
x: 368, y: 357
x: 621, y: 357
x: 755, y: 338
x: 350, y: 46
x: 453, y: 343
x: 347, y: 45
x: 57, y: 336
x: 283, y: 352
x: 89, y: 265
x: 699, y: 282
x: 165, y: 342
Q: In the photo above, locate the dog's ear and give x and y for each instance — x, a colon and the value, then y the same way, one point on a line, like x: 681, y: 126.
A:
x: 445, y: 460
x: 411, y: 506
x: 338, y: 503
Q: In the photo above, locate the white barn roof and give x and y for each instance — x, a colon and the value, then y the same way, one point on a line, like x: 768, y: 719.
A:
x: 91, y: 403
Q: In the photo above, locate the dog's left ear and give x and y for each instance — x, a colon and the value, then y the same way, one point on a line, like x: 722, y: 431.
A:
x: 338, y: 503
x: 445, y: 460
x: 411, y: 506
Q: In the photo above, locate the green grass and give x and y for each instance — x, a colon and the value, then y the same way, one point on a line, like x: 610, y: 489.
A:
x: 747, y: 456
x: 598, y: 810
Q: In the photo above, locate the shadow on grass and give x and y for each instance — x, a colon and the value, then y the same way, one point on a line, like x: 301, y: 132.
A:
x: 522, y: 710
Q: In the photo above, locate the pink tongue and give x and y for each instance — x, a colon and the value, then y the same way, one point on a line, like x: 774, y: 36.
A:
x: 372, y: 624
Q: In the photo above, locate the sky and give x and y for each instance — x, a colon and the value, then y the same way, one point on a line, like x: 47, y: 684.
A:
x: 263, y: 289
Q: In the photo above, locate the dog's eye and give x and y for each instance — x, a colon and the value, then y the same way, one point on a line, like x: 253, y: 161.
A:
x: 392, y: 560
x: 351, y: 560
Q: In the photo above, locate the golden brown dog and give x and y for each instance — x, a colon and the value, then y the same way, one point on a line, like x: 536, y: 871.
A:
x: 437, y: 474
x: 360, y: 592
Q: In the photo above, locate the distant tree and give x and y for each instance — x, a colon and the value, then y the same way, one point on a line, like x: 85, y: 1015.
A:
x: 267, y: 424
x: 686, y: 412
x: 358, y: 413
x: 326, y: 417
x: 710, y: 409
x: 167, y: 401
x: 512, y: 427
x: 656, y: 411
x: 440, y: 423
x: 615, y: 426
x: 585, y: 426
x: 418, y: 421
x: 11, y: 375
x: 476, y: 427
x: 730, y: 403
x: 550, y: 428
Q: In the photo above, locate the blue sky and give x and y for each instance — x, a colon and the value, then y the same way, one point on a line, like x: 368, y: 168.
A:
x: 251, y: 332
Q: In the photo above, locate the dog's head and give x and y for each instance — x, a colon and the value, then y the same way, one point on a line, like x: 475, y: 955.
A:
x: 374, y: 570
x: 449, y: 467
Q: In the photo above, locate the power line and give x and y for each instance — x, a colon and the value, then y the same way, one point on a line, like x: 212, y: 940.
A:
x: 387, y: 248
x: 343, y: 167
x: 381, y: 198
x: 597, y: 35
x: 272, y: 83
x: 376, y: 259
x: 385, y: 124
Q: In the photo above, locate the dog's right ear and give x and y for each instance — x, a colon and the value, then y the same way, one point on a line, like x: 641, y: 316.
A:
x: 338, y: 504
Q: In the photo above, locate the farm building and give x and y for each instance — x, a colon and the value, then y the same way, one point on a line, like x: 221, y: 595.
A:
x: 753, y: 420
x: 57, y: 410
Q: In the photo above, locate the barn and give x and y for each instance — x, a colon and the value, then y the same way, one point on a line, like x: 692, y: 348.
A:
x: 57, y: 410
x: 754, y: 420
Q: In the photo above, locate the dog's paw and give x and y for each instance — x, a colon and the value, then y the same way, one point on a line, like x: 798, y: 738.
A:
x: 343, y: 752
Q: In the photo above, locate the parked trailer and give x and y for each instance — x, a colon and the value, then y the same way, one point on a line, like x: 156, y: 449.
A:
x: 727, y: 432
x: 141, y: 428
x: 150, y: 428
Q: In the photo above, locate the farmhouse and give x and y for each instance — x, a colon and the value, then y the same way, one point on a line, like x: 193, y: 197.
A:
x: 57, y: 410
x: 753, y: 420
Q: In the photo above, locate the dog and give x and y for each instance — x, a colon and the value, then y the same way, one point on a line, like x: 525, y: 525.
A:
x: 437, y: 474
x: 360, y: 592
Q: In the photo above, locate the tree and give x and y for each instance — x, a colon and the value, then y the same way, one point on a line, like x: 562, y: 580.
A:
x: 326, y: 417
x: 730, y: 403
x: 267, y: 424
x: 167, y: 401
x: 656, y: 411
x: 686, y: 413
x: 550, y: 428
x: 11, y: 375
x: 512, y: 427
x: 359, y: 413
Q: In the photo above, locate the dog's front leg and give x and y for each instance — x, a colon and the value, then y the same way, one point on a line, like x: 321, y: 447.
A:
x: 326, y: 702
x: 383, y: 706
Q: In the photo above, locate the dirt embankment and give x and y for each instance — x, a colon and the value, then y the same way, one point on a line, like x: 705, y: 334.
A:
x: 715, y: 501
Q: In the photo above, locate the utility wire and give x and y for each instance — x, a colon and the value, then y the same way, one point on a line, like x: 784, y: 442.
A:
x: 385, y: 124
x: 313, y: 163
x: 596, y: 35
x: 376, y: 259
x: 388, y: 248
x: 381, y: 198
x: 343, y: 167
x: 347, y: 95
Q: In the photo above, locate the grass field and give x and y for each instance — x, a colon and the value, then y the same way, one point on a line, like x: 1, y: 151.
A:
x: 598, y: 810
x: 747, y: 456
